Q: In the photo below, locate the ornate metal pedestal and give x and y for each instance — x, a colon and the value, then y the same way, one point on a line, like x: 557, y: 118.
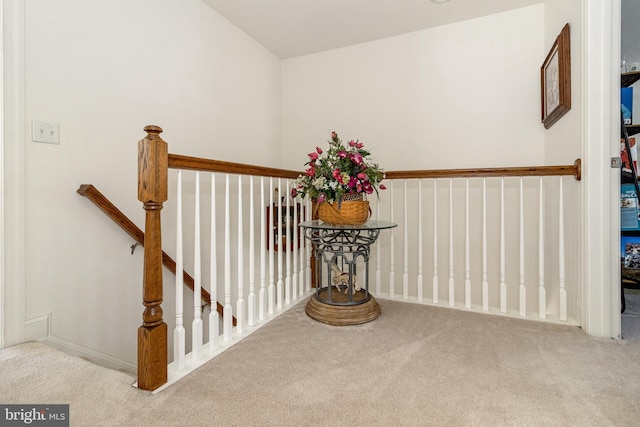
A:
x: 342, y: 294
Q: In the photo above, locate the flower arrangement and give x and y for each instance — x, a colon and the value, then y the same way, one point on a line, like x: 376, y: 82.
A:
x: 341, y: 170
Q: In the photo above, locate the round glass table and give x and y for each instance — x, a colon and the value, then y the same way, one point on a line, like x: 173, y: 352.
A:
x: 341, y: 255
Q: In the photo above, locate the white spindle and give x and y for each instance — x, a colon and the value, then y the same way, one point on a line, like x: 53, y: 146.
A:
x: 563, y: 291
x: 227, y: 312
x: 392, y: 288
x: 196, y: 328
x: 435, y: 243
x: 523, y: 289
x: 420, y: 284
x: 263, y: 255
x: 214, y: 318
x: 179, y: 332
x: 294, y: 253
x: 485, y: 274
x: 286, y: 248
x: 251, y: 300
x: 503, y: 284
x: 240, y: 301
x: 405, y: 271
x: 278, y: 218
x: 272, y: 238
x: 542, y: 294
x: 467, y: 267
x: 451, y: 280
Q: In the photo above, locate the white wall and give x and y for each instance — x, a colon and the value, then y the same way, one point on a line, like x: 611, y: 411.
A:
x: 456, y: 96
x: 563, y: 145
x: 460, y: 95
x: 104, y: 70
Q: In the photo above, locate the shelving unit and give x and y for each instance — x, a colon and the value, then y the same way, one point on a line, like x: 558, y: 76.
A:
x: 630, y: 278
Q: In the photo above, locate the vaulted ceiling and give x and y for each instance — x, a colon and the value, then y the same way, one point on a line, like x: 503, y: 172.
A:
x: 290, y: 28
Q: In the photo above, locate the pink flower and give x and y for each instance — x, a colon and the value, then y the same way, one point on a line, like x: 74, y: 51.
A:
x: 311, y: 172
x: 359, y: 188
x: 338, y: 176
x: 362, y: 176
x: 352, y: 182
x: 356, y: 158
x: 321, y: 198
x: 313, y: 156
x: 382, y: 187
x: 334, y: 135
x: 319, y: 150
x: 352, y: 143
x: 342, y: 154
x: 359, y: 145
x: 294, y: 192
x: 368, y: 189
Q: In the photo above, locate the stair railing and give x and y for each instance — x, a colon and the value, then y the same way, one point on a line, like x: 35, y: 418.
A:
x: 154, y: 162
x: 102, y: 202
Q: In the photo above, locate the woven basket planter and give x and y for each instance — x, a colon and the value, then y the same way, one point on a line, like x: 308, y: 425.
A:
x: 347, y: 212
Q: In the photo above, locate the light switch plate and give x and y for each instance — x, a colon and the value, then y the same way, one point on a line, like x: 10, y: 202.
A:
x: 45, y: 132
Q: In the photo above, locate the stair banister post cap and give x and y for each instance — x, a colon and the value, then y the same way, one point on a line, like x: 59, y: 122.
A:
x: 153, y: 130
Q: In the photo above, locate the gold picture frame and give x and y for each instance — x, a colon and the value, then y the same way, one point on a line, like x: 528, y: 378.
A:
x: 555, y: 77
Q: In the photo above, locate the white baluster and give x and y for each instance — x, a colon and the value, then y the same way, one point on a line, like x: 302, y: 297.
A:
x: 287, y: 248
x: 563, y: 291
x: 435, y: 243
x: 272, y: 288
x: 179, y: 332
x: 227, y: 312
x: 451, y: 280
x: 523, y: 289
x: 420, y: 285
x: 251, y: 301
x: 405, y: 274
x: 240, y: 302
x: 263, y: 255
x: 214, y: 318
x: 503, y: 284
x: 280, y: 282
x: 392, y: 290
x: 542, y: 294
x: 196, y: 328
x: 295, y: 252
x: 467, y: 256
x: 485, y: 275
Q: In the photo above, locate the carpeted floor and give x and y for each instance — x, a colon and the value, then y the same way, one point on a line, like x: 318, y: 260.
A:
x: 415, y: 365
x: 631, y: 316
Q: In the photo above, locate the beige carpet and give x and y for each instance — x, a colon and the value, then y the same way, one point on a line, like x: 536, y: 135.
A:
x: 415, y: 365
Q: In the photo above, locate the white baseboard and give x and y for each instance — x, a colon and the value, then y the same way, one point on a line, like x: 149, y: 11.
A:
x: 37, y: 328
x: 91, y: 355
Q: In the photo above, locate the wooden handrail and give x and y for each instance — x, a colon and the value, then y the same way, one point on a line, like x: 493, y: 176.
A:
x: 196, y: 163
x: 102, y: 202
x: 575, y: 170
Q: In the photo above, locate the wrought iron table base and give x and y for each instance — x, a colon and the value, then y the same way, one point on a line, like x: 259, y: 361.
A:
x: 341, y: 297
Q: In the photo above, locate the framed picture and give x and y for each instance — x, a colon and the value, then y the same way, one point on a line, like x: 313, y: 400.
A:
x: 555, y: 76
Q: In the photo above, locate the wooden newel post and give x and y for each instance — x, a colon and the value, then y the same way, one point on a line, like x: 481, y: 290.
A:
x: 152, y: 192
